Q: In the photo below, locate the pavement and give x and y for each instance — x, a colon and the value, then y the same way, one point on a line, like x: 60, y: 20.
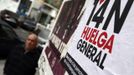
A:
x: 2, y: 62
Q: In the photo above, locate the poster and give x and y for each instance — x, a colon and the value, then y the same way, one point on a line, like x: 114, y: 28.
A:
x: 65, y: 26
x: 103, y: 41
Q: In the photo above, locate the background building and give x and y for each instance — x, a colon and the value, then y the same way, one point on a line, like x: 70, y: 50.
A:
x: 44, y: 13
x: 11, y: 5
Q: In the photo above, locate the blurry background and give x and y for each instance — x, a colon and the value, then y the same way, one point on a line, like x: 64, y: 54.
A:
x: 19, y: 17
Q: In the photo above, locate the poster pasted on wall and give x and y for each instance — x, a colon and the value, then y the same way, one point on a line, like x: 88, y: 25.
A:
x: 103, y: 42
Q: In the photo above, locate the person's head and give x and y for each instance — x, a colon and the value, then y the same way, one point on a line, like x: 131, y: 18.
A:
x: 31, y: 42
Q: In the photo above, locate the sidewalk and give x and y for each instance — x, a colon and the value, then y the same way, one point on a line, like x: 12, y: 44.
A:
x: 2, y: 62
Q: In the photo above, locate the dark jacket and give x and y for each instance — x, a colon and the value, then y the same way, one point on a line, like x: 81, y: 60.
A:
x: 21, y: 63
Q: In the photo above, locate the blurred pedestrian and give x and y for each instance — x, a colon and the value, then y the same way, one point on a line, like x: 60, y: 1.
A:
x: 23, y: 59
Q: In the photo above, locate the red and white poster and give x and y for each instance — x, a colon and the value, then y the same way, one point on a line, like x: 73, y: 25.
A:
x: 102, y: 42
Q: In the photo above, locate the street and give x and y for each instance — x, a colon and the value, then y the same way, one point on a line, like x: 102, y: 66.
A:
x: 22, y: 34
